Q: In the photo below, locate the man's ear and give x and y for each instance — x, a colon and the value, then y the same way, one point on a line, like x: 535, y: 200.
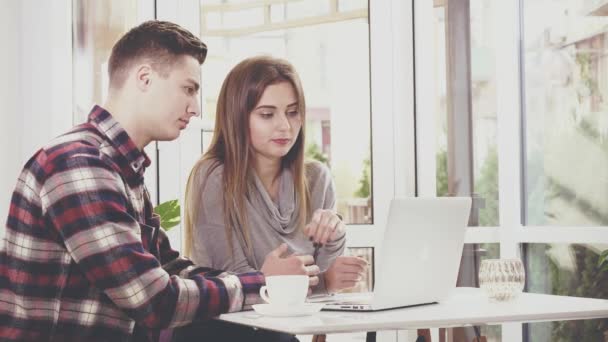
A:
x: 144, y: 76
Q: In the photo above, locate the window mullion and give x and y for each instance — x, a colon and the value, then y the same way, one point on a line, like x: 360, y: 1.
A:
x: 509, y: 127
x: 506, y: 29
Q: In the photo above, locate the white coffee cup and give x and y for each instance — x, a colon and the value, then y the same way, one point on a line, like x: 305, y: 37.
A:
x: 285, y: 290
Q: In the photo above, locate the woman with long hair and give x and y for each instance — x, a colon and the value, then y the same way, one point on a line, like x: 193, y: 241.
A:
x: 252, y: 191
x: 252, y: 196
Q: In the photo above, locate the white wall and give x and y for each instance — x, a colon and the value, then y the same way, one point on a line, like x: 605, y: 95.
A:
x: 36, y: 83
x: 9, y: 88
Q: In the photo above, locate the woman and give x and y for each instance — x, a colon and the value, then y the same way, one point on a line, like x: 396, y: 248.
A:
x: 252, y: 191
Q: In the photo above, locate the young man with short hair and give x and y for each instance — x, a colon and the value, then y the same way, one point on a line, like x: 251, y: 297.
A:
x: 83, y: 257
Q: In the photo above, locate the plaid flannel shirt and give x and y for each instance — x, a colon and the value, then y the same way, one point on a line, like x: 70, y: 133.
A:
x: 83, y: 257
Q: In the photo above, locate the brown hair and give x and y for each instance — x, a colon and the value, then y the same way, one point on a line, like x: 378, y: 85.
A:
x: 240, y: 93
x: 160, y: 42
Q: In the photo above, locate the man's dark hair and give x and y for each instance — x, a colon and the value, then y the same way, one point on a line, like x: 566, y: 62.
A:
x: 159, y: 42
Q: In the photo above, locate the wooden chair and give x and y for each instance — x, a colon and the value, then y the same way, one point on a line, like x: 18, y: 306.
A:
x: 424, y: 335
x: 319, y: 338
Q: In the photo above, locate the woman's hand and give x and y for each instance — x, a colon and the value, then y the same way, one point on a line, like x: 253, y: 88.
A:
x: 277, y: 263
x: 324, y: 226
x: 345, y: 272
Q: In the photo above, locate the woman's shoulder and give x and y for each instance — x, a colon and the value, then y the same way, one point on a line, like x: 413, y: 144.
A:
x: 211, y: 169
x: 317, y: 171
x: 209, y: 174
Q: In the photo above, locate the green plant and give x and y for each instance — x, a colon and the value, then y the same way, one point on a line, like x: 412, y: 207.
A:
x: 364, y: 182
x: 169, y: 213
x: 442, y: 173
x: 314, y: 152
x: 486, y: 185
x: 584, y: 281
x: 602, y: 262
x: 583, y: 60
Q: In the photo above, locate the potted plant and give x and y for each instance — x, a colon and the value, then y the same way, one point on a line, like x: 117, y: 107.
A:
x: 169, y: 213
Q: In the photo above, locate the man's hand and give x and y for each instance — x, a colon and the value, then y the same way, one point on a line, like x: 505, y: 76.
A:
x: 345, y: 272
x: 324, y: 226
x: 277, y: 263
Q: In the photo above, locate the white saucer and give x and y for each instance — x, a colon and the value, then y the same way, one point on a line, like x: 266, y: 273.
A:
x: 279, y: 311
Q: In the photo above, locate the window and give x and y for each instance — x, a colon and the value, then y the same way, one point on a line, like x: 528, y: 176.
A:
x: 535, y: 90
x: 96, y: 26
x: 566, y: 162
x: 566, y: 114
x: 482, y: 74
x: 465, y: 105
x: 316, y: 37
x: 357, y: 122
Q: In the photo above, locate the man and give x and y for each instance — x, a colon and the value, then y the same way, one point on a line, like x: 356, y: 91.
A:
x: 83, y: 257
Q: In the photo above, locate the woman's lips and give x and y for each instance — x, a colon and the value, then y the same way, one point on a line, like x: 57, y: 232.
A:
x: 281, y: 141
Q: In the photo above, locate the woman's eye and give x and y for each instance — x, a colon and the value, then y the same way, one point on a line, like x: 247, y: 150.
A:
x: 266, y: 115
x: 293, y: 113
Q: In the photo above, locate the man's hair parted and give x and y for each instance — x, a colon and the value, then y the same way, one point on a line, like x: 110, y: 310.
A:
x: 160, y: 42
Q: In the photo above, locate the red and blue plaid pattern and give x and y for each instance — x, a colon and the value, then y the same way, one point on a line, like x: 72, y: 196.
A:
x: 83, y: 257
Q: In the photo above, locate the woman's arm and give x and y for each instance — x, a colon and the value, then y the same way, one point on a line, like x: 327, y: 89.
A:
x: 323, y: 204
x: 210, y: 245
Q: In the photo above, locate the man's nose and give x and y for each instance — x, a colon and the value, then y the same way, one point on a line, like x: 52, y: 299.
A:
x: 194, y: 109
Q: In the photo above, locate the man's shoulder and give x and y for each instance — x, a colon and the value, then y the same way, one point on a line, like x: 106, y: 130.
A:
x: 79, y: 147
x: 81, y: 141
x: 63, y: 159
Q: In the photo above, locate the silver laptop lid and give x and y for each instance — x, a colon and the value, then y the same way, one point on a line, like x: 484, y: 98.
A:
x: 421, y: 250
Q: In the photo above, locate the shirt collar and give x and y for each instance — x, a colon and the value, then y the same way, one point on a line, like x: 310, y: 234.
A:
x: 103, y: 121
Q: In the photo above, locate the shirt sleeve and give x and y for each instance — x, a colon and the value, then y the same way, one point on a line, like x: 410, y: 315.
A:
x: 85, y: 201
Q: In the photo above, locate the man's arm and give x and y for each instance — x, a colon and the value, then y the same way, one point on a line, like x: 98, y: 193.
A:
x: 174, y: 263
x: 85, y: 202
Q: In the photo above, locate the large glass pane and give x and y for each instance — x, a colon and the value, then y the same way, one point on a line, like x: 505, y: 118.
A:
x: 97, y: 25
x: 318, y: 40
x: 483, y: 100
x: 569, y: 270
x: 483, y: 77
x: 566, y: 113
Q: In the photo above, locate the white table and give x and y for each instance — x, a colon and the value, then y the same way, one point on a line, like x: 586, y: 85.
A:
x: 466, y: 306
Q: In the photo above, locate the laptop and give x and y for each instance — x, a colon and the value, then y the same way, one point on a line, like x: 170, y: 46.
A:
x: 419, y: 256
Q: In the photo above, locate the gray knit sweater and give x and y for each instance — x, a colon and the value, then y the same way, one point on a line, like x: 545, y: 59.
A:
x: 270, y: 223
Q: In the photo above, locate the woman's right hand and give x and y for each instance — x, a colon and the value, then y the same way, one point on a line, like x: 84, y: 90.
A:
x: 324, y: 226
x: 344, y: 273
x: 277, y: 263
